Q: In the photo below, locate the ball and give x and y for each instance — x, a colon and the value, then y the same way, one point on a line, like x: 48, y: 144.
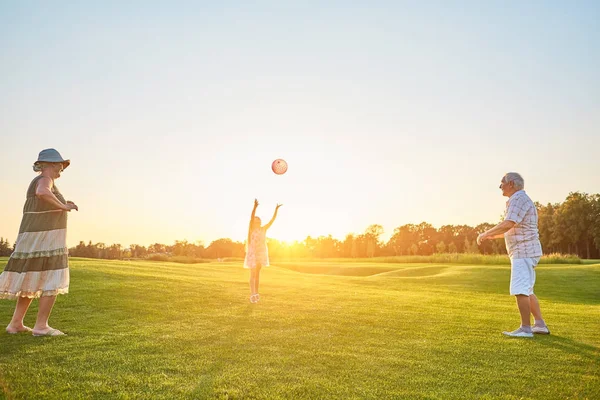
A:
x: 279, y: 166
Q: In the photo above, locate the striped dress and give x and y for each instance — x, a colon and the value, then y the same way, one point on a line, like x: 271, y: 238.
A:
x: 39, y: 266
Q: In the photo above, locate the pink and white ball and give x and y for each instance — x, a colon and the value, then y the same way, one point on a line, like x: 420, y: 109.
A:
x: 279, y: 166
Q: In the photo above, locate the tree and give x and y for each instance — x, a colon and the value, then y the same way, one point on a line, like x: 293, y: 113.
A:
x: 372, y: 234
x: 157, y: 248
x: 414, y: 249
x: 546, y: 225
x: 138, y: 251
x: 327, y: 246
x: 559, y: 238
x: 348, y: 246
x: 446, y: 234
x: 576, y: 212
x: 403, y: 238
x: 487, y: 247
x: 440, y: 247
x: 465, y: 235
x: 595, y: 218
x: 470, y: 247
x: 452, y: 248
x: 5, y: 249
x: 225, y: 247
x: 426, y: 236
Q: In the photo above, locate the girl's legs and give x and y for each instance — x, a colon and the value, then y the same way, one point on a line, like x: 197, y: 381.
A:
x: 16, y: 324
x: 258, y: 267
x: 252, y: 283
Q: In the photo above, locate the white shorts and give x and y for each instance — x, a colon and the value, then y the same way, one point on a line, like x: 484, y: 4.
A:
x: 522, y: 275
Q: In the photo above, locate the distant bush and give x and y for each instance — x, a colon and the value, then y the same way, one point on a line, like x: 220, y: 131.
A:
x: 177, y: 259
x: 159, y: 257
x: 189, y: 260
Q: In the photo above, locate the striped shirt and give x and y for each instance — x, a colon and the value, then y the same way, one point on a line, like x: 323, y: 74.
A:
x: 523, y: 240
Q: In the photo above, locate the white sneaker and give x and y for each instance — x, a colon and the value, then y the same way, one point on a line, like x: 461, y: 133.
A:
x: 542, y: 330
x: 518, y: 333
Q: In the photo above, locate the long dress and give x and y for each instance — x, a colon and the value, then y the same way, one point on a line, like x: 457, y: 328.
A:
x: 257, y: 252
x: 39, y: 265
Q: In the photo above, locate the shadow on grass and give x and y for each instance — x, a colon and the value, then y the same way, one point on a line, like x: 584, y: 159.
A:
x: 413, y: 272
x: 17, y: 345
x: 566, y: 345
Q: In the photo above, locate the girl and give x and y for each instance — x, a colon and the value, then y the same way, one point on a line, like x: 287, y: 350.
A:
x: 257, y: 255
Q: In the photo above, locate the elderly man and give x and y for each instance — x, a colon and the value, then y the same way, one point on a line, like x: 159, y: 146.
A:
x: 520, y: 233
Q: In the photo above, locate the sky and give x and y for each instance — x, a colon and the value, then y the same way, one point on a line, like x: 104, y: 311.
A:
x: 387, y: 112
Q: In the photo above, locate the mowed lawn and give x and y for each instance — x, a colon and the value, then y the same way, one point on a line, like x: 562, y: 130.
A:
x: 151, y: 330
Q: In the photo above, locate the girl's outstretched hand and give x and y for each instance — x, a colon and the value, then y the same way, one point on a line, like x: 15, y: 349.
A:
x: 255, y: 203
x: 278, y: 205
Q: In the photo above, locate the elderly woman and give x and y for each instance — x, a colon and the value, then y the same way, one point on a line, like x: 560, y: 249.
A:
x: 39, y: 265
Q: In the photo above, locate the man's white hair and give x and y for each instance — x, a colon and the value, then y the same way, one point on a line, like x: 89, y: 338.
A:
x: 516, y: 178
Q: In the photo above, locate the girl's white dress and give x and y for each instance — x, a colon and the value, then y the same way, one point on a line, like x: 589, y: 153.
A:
x: 256, y: 251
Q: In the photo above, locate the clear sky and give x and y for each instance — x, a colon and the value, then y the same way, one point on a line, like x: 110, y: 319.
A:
x: 387, y: 112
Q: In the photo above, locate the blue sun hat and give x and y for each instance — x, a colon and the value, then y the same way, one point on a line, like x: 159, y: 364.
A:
x: 53, y: 156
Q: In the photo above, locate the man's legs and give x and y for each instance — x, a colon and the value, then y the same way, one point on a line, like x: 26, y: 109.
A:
x: 524, y: 310
x: 539, y: 325
x: 522, y: 278
x: 534, y: 305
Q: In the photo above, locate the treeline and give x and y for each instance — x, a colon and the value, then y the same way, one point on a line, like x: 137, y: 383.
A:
x: 5, y: 248
x: 571, y: 227
x: 221, y: 248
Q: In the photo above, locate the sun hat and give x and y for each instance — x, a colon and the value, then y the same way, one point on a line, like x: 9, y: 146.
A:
x: 53, y: 156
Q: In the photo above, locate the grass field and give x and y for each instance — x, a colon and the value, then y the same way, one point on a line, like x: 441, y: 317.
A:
x: 323, y: 330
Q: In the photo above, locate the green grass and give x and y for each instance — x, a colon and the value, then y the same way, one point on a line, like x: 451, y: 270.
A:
x: 177, y: 259
x: 153, y: 330
x: 450, y: 258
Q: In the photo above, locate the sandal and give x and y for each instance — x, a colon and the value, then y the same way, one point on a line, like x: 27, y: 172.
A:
x: 51, y: 332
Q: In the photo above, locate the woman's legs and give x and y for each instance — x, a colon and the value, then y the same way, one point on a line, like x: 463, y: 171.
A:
x: 16, y: 324
x: 41, y: 324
